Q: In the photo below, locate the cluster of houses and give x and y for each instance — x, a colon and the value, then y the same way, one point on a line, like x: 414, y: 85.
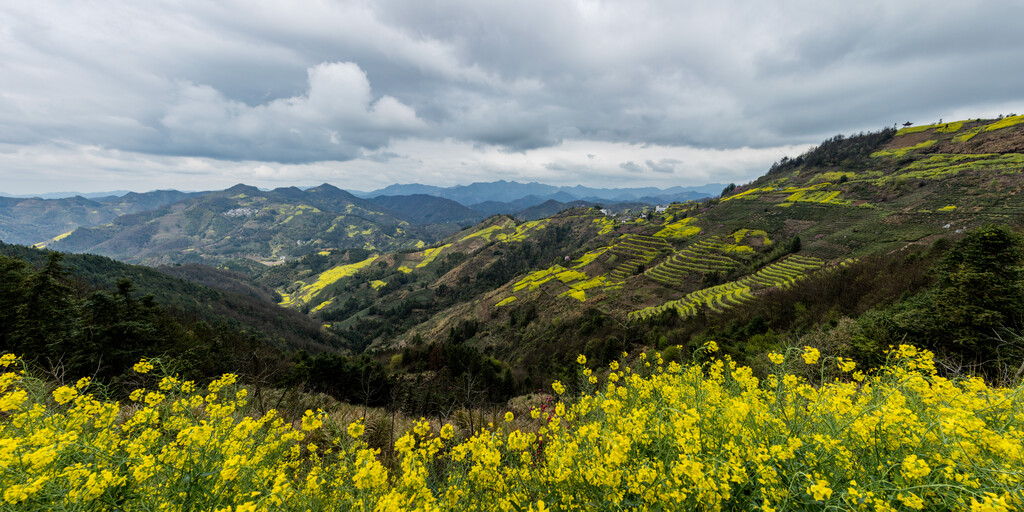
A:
x: 241, y: 212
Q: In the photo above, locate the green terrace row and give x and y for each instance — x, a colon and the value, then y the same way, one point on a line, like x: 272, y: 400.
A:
x: 781, y: 274
x: 784, y: 273
x: 716, y: 298
x: 640, y: 245
x: 636, y: 251
x: 703, y: 256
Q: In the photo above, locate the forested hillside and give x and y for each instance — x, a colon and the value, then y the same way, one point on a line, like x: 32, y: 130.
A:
x: 87, y: 314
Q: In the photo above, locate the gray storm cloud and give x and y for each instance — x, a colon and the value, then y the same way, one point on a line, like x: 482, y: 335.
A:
x: 295, y: 83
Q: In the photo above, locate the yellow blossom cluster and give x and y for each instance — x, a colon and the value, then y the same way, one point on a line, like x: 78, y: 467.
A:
x: 663, y: 436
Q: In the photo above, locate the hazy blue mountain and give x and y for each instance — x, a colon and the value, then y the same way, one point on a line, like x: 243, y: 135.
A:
x: 35, y: 220
x: 62, y: 195
x: 400, y: 190
x: 488, y: 208
x: 427, y: 209
x: 482, y: 196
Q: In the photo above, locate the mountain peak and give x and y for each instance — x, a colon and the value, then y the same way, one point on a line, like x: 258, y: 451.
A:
x: 242, y: 188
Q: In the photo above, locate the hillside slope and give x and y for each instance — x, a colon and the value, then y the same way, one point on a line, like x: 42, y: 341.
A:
x: 246, y: 310
x: 529, y: 296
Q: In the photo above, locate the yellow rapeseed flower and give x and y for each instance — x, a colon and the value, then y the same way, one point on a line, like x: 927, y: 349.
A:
x: 811, y: 355
x: 820, y: 490
x: 143, y: 366
x: 914, y: 468
x: 776, y: 358
x: 581, y: 359
x: 356, y: 429
x: 64, y: 394
x: 311, y: 421
x: 846, y: 365
x: 704, y: 436
x: 447, y: 431
x: 911, y: 500
x: 13, y: 401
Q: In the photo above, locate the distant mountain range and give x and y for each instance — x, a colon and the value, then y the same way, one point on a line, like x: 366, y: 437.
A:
x: 510, y: 191
x: 62, y: 195
x: 127, y: 225
x: 34, y: 220
x: 245, y: 221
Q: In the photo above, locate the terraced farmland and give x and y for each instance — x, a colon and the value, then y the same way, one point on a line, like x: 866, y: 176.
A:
x: 784, y: 273
x: 707, y: 255
x: 781, y: 274
x: 635, y: 251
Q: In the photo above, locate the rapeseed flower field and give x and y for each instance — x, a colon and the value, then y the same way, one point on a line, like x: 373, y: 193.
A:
x: 818, y: 434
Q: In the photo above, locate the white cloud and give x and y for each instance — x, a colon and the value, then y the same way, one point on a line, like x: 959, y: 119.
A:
x: 435, y: 162
x: 333, y: 120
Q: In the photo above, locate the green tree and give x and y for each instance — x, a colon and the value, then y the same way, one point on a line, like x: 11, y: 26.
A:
x: 13, y: 273
x: 46, y: 316
x: 977, y: 296
x: 979, y: 289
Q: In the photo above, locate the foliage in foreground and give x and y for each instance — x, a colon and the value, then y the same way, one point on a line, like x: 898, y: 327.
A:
x: 705, y: 436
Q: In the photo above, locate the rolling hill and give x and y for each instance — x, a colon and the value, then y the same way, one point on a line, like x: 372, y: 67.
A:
x: 245, y: 222
x: 35, y: 220
x: 532, y: 294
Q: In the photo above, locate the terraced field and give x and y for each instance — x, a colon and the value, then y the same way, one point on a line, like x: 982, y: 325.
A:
x: 781, y: 274
x: 636, y: 251
x: 822, y: 196
x: 709, y: 255
x: 944, y: 165
x: 784, y: 273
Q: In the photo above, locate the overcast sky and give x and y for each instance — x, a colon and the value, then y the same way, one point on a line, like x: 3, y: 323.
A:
x: 198, y: 95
